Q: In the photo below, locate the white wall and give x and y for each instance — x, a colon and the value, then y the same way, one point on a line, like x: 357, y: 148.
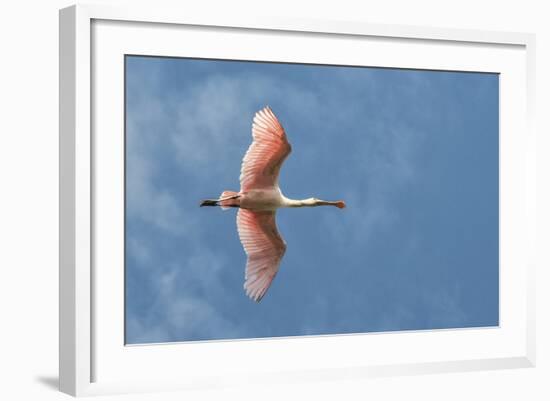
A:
x: 28, y: 212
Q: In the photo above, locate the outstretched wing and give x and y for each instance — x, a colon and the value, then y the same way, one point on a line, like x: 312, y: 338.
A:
x: 269, y: 149
x: 265, y: 248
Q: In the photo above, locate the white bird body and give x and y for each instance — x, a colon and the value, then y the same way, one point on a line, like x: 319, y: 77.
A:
x: 263, y: 199
x: 258, y: 201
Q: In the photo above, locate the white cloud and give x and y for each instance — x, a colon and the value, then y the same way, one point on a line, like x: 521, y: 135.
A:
x: 214, y: 119
x: 445, y: 306
x: 144, y: 199
x: 178, y: 313
x: 386, y: 155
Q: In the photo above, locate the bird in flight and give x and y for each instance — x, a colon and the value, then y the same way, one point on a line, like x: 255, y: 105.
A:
x: 258, y: 201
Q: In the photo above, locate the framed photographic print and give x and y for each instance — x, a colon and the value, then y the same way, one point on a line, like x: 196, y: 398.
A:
x: 338, y: 199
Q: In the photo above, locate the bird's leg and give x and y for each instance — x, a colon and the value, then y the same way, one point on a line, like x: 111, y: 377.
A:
x: 209, y: 202
x: 216, y: 202
x: 229, y: 197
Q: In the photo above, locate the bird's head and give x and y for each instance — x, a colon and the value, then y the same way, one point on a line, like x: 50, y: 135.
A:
x: 320, y: 202
x: 340, y: 204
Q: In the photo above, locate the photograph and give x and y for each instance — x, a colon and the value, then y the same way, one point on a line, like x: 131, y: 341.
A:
x: 271, y: 199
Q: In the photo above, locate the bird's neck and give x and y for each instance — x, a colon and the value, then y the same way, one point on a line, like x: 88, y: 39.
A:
x: 311, y: 202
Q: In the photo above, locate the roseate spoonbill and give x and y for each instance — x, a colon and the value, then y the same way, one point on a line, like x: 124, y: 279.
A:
x: 259, y: 199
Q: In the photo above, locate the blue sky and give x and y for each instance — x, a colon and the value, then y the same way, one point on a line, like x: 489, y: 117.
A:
x: 413, y: 153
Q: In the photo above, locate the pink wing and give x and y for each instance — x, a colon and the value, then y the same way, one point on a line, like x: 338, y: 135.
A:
x: 265, y: 248
x: 269, y: 149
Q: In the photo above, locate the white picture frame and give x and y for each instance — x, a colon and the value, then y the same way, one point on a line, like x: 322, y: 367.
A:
x: 92, y: 357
